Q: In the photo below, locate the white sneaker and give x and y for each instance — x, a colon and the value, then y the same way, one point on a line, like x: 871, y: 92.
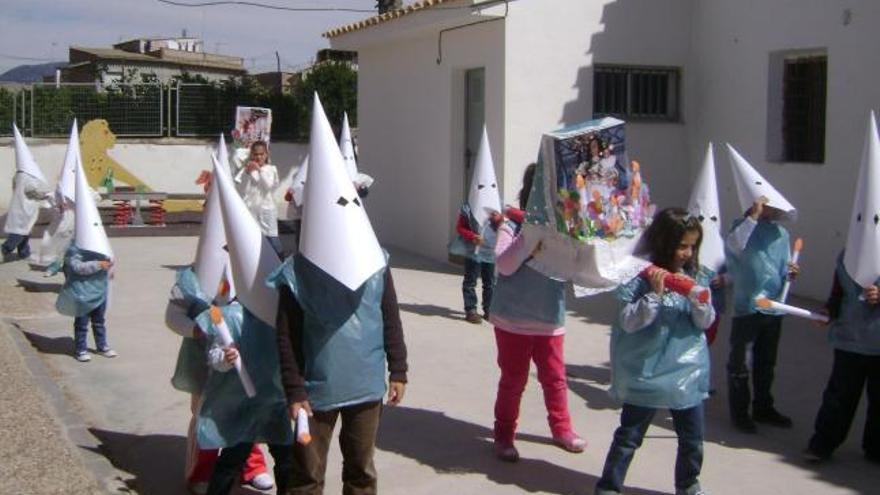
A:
x: 262, y: 482
x: 108, y: 353
x: 83, y: 357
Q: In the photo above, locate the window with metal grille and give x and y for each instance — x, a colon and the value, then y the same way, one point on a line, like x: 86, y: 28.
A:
x: 803, y: 108
x: 636, y: 93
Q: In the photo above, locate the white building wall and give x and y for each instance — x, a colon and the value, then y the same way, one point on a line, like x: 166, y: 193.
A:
x: 551, y: 48
x: 411, y: 130
x: 731, y: 43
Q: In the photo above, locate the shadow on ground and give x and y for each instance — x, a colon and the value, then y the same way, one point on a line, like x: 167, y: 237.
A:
x: 406, y: 260
x: 591, y: 384
x: 33, y: 286
x: 50, y: 345
x: 432, y: 310
x: 156, y: 462
x: 453, y: 446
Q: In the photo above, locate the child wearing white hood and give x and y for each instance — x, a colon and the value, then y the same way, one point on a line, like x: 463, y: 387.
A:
x: 854, y: 330
x: 477, y: 229
x: 759, y: 260
x: 29, y: 191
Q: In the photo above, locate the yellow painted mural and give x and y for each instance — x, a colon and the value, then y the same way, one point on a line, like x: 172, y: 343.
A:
x: 96, y: 139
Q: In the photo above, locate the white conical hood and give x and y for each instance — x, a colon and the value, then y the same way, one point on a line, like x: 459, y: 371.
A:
x: 89, y: 232
x: 24, y: 160
x: 250, y: 255
x: 483, y: 196
x: 346, y: 147
x: 704, y: 204
x: 862, y: 259
x: 66, y: 187
x: 212, y: 259
x: 750, y: 186
x: 336, y: 232
x: 298, y: 183
x: 223, y: 154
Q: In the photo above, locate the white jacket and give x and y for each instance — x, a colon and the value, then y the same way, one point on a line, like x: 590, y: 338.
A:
x: 258, y: 192
x: 28, y: 195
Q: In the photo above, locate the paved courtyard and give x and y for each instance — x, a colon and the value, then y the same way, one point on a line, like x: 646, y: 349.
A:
x: 118, y: 425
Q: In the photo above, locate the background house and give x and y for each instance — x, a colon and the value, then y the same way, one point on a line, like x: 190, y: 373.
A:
x: 163, y: 57
x: 788, y: 83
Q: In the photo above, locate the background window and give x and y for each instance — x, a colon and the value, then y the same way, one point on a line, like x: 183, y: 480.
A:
x: 636, y: 93
x: 796, y: 106
x: 803, y: 109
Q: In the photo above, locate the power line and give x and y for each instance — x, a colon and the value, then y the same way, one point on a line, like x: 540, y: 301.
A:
x: 266, y: 6
x: 217, y: 3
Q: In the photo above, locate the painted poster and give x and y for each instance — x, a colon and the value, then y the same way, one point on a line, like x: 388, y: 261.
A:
x: 251, y: 124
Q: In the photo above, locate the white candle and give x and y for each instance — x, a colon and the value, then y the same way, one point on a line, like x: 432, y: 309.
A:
x: 763, y: 302
x: 226, y: 340
x: 302, y: 427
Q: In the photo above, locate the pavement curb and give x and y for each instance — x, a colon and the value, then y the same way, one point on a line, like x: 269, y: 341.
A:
x: 73, y: 427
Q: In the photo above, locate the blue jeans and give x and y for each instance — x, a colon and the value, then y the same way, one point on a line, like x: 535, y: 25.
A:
x: 19, y: 242
x: 472, y: 271
x: 81, y: 330
x: 634, y: 422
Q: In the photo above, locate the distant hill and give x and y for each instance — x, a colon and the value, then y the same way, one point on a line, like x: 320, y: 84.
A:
x: 30, y: 73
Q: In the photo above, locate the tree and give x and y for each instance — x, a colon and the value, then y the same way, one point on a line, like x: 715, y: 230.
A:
x: 336, y: 85
x: 388, y: 5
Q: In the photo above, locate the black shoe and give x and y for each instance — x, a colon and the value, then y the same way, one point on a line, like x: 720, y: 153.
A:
x: 473, y: 317
x: 745, y: 425
x: 814, y: 456
x: 772, y: 417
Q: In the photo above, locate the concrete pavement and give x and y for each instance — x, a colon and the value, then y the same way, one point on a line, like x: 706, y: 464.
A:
x: 439, y: 440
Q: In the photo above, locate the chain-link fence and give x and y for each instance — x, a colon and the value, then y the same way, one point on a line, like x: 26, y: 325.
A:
x: 140, y: 110
x: 11, y: 104
x: 206, y: 109
x: 129, y: 109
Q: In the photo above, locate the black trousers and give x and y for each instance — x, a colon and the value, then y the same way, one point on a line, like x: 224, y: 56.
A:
x: 228, y: 468
x: 760, y: 333
x: 850, y: 374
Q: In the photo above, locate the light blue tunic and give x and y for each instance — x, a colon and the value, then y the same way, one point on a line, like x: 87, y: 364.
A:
x: 191, y: 370
x: 228, y: 416
x: 81, y: 293
x: 485, y: 252
x: 343, y: 334
x: 529, y: 296
x: 761, y: 269
x: 666, y: 363
x: 857, y: 328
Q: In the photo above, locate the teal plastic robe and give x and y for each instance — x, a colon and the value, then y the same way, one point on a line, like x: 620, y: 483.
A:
x: 857, y: 329
x: 343, y: 338
x: 227, y: 416
x: 191, y: 370
x: 485, y: 252
x: 761, y: 269
x: 666, y: 363
x: 81, y: 293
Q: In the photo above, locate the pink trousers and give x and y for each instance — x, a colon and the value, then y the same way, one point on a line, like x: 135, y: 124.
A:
x: 515, y: 354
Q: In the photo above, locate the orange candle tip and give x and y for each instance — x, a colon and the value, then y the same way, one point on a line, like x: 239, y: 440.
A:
x: 798, y: 244
x: 216, y: 315
x: 763, y: 303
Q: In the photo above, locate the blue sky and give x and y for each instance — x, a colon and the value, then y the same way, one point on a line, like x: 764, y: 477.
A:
x: 43, y: 29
